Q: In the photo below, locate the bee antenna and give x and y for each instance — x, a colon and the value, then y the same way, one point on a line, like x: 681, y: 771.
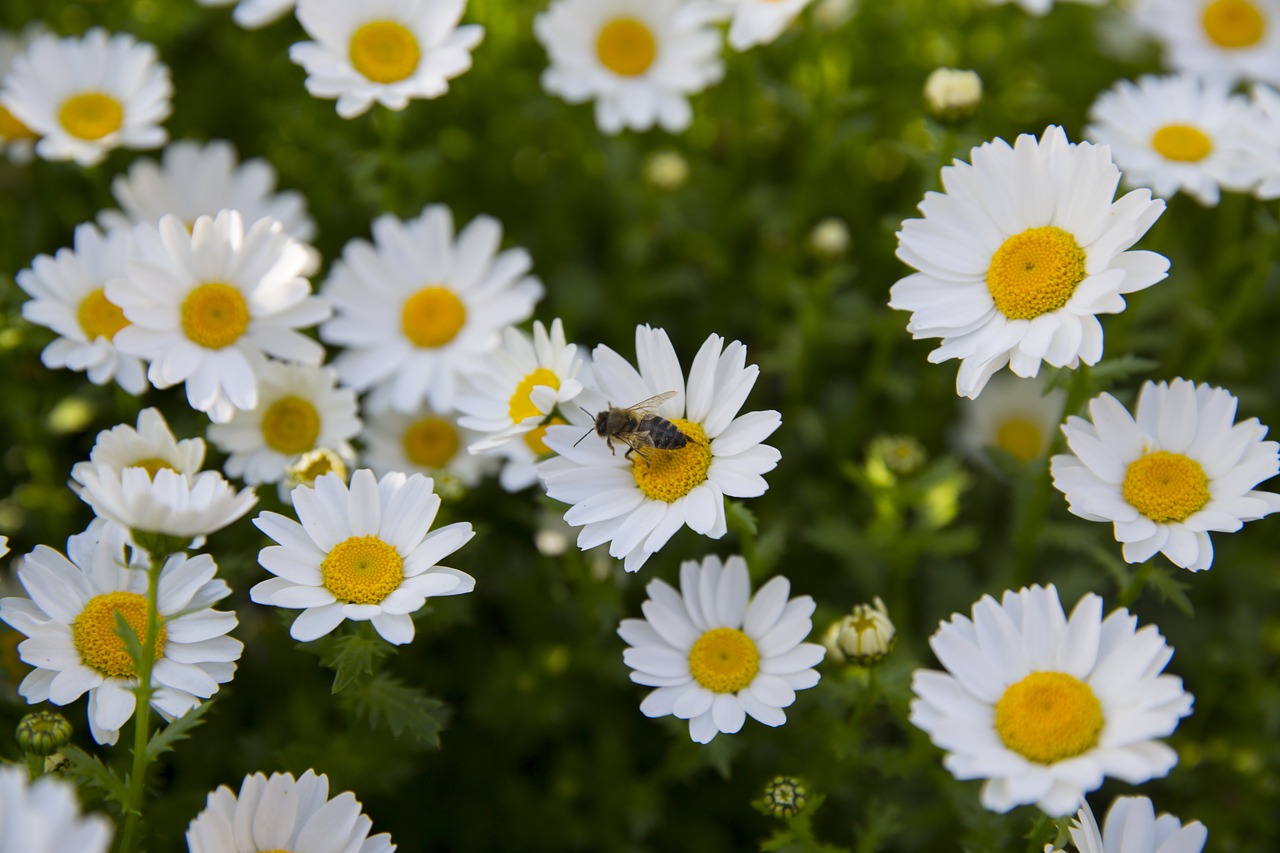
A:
x: 585, y: 412
x: 584, y: 435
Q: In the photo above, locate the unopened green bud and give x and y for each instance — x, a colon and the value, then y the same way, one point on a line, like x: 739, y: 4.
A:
x: 43, y: 733
x: 785, y: 797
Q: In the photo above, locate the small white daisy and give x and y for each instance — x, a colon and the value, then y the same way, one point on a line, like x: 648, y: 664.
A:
x: 417, y: 307
x: 252, y: 14
x: 1132, y: 827
x: 1226, y: 40
x: 361, y: 553
x: 279, y: 813
x: 387, y: 51
x: 17, y: 141
x: 151, y: 446
x: 1044, y: 707
x: 754, y: 22
x: 1266, y: 100
x: 1020, y: 253
x: 68, y: 296
x: 713, y: 657
x: 1165, y: 479
x: 205, y: 307
x: 1042, y: 7
x: 424, y: 442
x: 637, y: 59
x: 1178, y: 133
x: 1014, y: 415
x: 637, y: 501
x: 70, y: 623
x: 44, y: 817
x: 86, y: 96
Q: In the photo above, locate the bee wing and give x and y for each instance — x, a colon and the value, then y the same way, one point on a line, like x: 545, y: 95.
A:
x: 653, y: 402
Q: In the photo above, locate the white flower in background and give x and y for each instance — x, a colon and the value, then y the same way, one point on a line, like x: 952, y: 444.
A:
x: 1044, y: 707
x: 86, y: 96
x: 279, y: 813
x: 1178, y: 133
x: 205, y: 307
x: 952, y: 93
x: 44, y: 817
x: 424, y: 442
x: 387, y: 51
x: 1042, y: 7
x: 754, y: 22
x: 299, y: 409
x: 1013, y: 415
x: 1020, y: 253
x: 362, y: 553
x: 68, y: 296
x: 714, y: 657
x: 151, y: 446
x: 638, y: 503
x: 1266, y: 100
x: 252, y: 14
x: 1167, y: 477
x: 1132, y: 827
x: 417, y: 308
x: 635, y: 58
x: 70, y: 623
x: 1226, y: 40
x: 17, y: 141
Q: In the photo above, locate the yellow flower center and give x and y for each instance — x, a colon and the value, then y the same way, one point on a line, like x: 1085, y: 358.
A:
x: 724, y: 660
x: 313, y: 464
x: 521, y: 405
x: 291, y: 425
x: 535, y: 438
x: 672, y: 474
x: 384, y: 51
x: 215, y: 315
x: 91, y: 115
x: 1048, y: 717
x: 362, y: 570
x: 433, y: 316
x: 1166, y: 486
x: 94, y: 633
x: 626, y: 47
x: 1020, y: 438
x: 151, y: 465
x: 11, y: 128
x: 1035, y: 272
x: 99, y: 316
x: 1234, y: 24
x: 431, y: 442
x: 1182, y: 142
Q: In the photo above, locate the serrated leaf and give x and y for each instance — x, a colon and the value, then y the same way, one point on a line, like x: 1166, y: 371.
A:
x: 352, y: 658
x: 1171, y: 589
x: 89, y: 770
x: 401, y: 709
x: 164, y: 739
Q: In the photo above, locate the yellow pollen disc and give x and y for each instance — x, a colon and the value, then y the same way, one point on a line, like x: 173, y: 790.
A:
x: 433, y: 316
x: 431, y: 442
x: 291, y: 425
x: 215, y: 315
x: 11, y: 128
x: 1165, y: 486
x: 1021, y: 438
x: 521, y: 406
x: 1035, y: 272
x: 1234, y: 24
x: 1182, y: 142
x: 672, y: 474
x: 91, y: 115
x: 384, y: 51
x: 1048, y: 717
x: 724, y: 660
x: 95, y: 638
x: 99, y: 317
x: 151, y: 465
x: 626, y: 47
x: 535, y: 438
x: 362, y: 570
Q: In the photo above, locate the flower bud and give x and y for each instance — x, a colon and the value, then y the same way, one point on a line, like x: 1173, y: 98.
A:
x: 785, y: 797
x: 952, y: 94
x: 901, y: 454
x: 315, y: 463
x: 863, y: 637
x: 43, y: 733
x: 666, y: 170
x: 830, y: 237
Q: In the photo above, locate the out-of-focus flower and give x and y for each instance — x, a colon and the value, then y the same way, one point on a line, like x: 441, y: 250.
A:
x: 952, y: 93
x: 1266, y: 100
x: 896, y: 454
x: 1132, y: 827
x: 666, y: 170
x: 1013, y: 415
x: 830, y: 237
x: 424, y: 442
x: 1225, y: 40
x: 754, y: 22
x: 1042, y: 7
x: 44, y: 817
x: 252, y: 14
x: 785, y: 797
x: 865, y: 636
x: 312, y: 465
x: 17, y: 141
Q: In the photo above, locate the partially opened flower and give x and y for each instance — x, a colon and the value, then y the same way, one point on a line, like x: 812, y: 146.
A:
x: 44, y: 817
x: 1226, y: 40
x: 151, y: 446
x: 252, y: 14
x: 1132, y: 827
x: 1015, y: 416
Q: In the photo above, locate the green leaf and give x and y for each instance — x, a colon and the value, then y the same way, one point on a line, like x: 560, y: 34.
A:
x: 353, y: 657
x: 401, y: 709
x: 164, y: 739
x: 129, y: 637
x: 740, y: 519
x: 1114, y: 370
x: 89, y: 770
x: 1171, y: 588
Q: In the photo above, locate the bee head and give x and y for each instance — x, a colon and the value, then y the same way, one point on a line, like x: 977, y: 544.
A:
x: 602, y: 423
x: 588, y: 432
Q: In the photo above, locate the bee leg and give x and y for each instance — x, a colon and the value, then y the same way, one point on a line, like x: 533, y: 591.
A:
x: 643, y: 456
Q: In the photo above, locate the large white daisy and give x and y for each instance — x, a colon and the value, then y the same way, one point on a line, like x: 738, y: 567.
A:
x: 70, y: 623
x: 1044, y: 707
x: 417, y: 307
x: 713, y: 657
x: 637, y: 59
x: 1227, y: 40
x: 1167, y: 477
x: 1013, y: 415
x: 754, y: 22
x: 17, y: 141
x: 68, y: 296
x: 387, y: 51
x: 44, y: 817
x: 86, y: 96
x: 252, y: 14
x: 637, y: 501
x: 206, y: 307
x: 1132, y: 827
x: 362, y: 553
x: 1020, y: 253
x: 424, y: 442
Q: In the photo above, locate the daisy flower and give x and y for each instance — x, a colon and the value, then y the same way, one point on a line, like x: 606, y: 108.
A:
x: 17, y: 141
x: 1132, y: 827
x: 1020, y: 253
x: 281, y: 813
x: 383, y: 50
x: 86, y: 96
x: 1178, y: 133
x: 637, y: 59
x: 1226, y: 40
x: 299, y: 409
x: 637, y: 501
x: 360, y: 553
x: 754, y: 22
x: 1042, y: 7
x: 425, y: 442
x: 68, y: 296
x: 252, y: 14
x: 1266, y: 100
x: 151, y: 446
x: 417, y: 307
x: 1167, y: 477
x: 712, y: 656
x: 1044, y: 707
x: 70, y: 623
x: 44, y: 816
x: 1014, y: 415
x: 205, y: 307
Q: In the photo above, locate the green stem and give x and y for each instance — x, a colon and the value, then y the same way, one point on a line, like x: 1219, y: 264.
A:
x: 1247, y: 296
